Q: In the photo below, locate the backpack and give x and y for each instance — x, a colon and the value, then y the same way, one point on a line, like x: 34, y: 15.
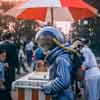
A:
x: 76, y: 60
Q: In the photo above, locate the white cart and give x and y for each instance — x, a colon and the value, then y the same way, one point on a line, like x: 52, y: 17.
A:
x: 28, y: 87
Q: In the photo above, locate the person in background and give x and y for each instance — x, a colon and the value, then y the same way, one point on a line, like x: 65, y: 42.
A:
x: 92, y: 72
x: 78, y: 83
x: 59, y: 86
x: 22, y: 58
x: 33, y: 56
x: 11, y: 59
x: 4, y: 95
x: 29, y: 53
x: 38, y: 58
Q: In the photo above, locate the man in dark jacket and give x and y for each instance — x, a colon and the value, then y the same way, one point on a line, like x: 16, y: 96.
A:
x: 11, y: 59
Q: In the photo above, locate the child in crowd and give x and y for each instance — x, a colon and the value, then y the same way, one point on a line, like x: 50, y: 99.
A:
x: 3, y: 93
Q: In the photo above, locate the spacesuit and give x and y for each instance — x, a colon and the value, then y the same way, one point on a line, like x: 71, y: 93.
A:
x: 59, y: 65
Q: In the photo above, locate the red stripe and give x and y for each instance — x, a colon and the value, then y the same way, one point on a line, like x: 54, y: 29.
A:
x: 33, y: 14
x: 21, y: 95
x: 48, y: 98
x: 35, y: 95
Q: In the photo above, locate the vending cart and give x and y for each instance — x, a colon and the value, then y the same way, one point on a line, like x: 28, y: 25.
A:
x: 29, y: 86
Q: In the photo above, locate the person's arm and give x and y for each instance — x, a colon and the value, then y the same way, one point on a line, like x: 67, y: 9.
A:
x: 62, y: 80
x: 86, y: 61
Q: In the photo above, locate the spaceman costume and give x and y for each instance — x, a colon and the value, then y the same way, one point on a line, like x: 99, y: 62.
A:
x: 59, y: 66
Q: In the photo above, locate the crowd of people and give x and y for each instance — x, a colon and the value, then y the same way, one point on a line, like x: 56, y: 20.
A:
x: 16, y: 58
x: 69, y: 62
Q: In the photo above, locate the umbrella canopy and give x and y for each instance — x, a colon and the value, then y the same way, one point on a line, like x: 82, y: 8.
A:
x: 53, y: 10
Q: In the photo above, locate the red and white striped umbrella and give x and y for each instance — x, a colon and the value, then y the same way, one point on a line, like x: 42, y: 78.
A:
x: 53, y: 10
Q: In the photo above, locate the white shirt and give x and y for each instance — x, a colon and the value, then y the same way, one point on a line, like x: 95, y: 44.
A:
x: 29, y: 46
x: 90, y: 59
x: 90, y: 62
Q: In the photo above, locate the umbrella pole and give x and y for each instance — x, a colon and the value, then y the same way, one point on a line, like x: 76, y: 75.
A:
x: 52, y: 17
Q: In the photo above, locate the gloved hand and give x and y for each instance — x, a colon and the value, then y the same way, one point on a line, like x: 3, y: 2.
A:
x: 48, y: 92
x: 45, y: 89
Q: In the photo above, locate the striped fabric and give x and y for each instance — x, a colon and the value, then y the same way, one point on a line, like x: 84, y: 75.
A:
x: 70, y: 10
x: 31, y: 94
x: 28, y: 87
x: 59, y: 69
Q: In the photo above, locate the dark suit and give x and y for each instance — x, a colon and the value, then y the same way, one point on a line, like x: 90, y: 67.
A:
x: 12, y: 60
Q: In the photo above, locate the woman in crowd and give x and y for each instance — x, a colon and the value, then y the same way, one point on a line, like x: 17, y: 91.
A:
x: 92, y: 72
